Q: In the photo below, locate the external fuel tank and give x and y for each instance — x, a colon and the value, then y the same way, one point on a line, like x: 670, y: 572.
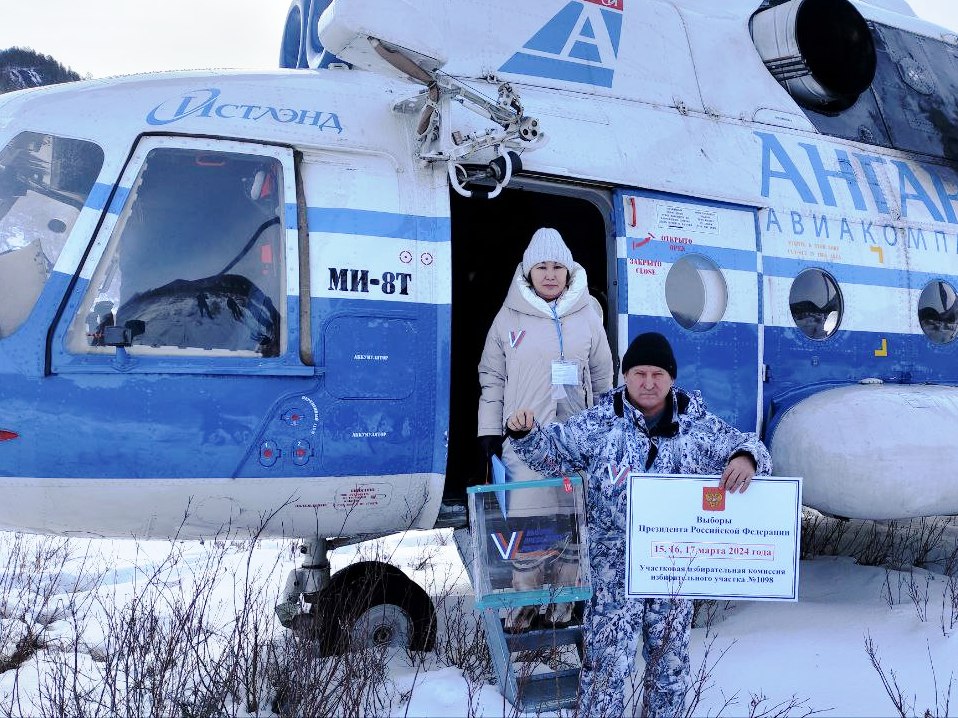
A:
x: 868, y: 447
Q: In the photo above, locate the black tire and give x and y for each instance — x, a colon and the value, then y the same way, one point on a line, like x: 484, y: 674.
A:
x: 372, y: 603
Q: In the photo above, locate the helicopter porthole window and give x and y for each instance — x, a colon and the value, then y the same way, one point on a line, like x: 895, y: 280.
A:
x: 938, y: 312
x: 696, y: 293
x: 816, y: 303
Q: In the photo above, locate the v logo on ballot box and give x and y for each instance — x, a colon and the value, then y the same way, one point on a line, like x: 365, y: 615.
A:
x: 507, y: 548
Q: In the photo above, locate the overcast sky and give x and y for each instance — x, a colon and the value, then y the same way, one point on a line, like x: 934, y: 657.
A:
x: 118, y: 37
x: 943, y: 12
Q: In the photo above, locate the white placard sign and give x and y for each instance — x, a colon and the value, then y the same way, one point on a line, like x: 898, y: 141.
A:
x: 687, y: 538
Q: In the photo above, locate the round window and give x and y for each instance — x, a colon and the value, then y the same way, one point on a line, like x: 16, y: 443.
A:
x: 938, y: 312
x: 696, y: 293
x: 816, y: 303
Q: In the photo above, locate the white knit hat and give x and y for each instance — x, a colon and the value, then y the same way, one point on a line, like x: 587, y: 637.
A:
x: 546, y: 246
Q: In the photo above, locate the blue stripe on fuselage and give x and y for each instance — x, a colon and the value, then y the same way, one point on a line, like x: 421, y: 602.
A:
x: 661, y: 251
x: 799, y: 364
x: 853, y: 273
x: 379, y: 224
x: 209, y: 421
x: 119, y: 200
x: 98, y: 196
x: 325, y: 219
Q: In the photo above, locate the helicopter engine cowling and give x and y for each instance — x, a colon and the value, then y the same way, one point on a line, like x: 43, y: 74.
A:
x: 821, y: 51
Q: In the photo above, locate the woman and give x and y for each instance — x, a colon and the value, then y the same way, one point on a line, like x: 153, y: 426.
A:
x: 546, y: 349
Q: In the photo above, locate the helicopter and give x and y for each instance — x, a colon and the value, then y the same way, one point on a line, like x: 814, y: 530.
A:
x: 256, y: 299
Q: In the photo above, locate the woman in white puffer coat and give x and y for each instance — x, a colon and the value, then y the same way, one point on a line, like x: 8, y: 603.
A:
x: 546, y: 349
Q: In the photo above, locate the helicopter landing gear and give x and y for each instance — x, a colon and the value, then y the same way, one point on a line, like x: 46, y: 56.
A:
x: 365, y: 605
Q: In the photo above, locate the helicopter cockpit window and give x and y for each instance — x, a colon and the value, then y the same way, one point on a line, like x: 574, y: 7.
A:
x: 44, y: 183
x: 696, y: 293
x: 816, y: 304
x: 938, y: 312
x: 195, y: 263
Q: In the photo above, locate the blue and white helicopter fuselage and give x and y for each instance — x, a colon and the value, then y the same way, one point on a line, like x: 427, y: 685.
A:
x: 250, y: 300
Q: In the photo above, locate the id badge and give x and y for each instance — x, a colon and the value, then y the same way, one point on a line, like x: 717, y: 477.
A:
x: 565, y: 373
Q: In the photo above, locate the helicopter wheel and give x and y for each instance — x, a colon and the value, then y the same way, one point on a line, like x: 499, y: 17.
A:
x: 372, y: 604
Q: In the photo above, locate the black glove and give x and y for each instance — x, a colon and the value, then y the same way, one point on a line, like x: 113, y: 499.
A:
x: 489, y: 445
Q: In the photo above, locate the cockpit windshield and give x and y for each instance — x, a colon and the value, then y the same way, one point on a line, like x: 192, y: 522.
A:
x: 196, y: 260
x: 44, y: 183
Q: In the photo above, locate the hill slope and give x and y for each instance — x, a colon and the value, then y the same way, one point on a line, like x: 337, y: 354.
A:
x: 21, y: 67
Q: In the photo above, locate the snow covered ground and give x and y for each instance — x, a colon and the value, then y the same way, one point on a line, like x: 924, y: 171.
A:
x: 104, y: 628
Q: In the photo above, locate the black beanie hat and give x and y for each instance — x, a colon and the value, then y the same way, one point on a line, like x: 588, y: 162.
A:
x: 650, y: 349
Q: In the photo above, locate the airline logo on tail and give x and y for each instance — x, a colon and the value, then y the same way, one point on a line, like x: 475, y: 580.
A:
x: 580, y: 44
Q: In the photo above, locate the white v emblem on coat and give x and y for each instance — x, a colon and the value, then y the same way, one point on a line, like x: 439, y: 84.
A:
x: 516, y: 337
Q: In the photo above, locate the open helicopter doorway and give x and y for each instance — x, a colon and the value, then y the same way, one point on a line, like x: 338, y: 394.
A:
x: 488, y: 240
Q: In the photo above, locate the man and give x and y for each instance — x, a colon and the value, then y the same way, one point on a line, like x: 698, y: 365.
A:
x: 645, y: 426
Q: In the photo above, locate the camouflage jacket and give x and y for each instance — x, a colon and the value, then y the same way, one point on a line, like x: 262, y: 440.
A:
x: 611, y: 440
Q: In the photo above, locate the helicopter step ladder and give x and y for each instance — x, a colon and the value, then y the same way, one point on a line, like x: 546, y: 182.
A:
x: 528, y: 692
x: 537, y: 670
x: 533, y: 692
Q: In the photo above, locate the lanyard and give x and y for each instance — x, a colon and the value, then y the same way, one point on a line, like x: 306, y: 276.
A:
x: 555, y: 317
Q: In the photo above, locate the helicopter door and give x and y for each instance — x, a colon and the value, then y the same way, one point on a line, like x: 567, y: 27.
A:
x: 379, y: 248
x: 688, y: 269
x: 181, y: 330
x: 190, y: 260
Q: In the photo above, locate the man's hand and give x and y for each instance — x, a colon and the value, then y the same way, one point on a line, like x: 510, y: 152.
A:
x: 522, y: 420
x: 738, y: 474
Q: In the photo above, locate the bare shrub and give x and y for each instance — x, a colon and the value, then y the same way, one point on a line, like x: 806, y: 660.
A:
x: 871, y: 543
x: 701, y: 679
x: 255, y: 627
x: 901, y: 584
x: 462, y: 642
x: 949, y: 599
x: 950, y: 561
x: 949, y: 606
x: 307, y: 683
x: 905, y: 707
x: 822, y: 535
x: 760, y: 707
x: 878, y: 545
x: 156, y: 649
x: 926, y: 539
x: 164, y: 654
x: 160, y: 653
x: 919, y: 594
x: 461, y: 637
x: 915, y: 542
x: 36, y: 590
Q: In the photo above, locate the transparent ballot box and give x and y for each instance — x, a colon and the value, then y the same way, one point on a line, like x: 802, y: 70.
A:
x: 529, y: 543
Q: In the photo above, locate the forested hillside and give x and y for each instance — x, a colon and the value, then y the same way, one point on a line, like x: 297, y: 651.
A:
x: 21, y: 67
